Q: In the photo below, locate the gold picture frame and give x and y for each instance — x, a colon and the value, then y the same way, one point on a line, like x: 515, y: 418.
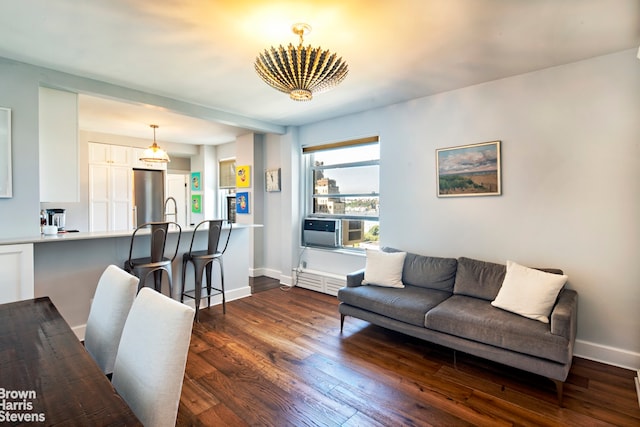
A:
x: 469, y: 170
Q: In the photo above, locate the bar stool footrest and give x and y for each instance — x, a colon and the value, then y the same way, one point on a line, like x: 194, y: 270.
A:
x: 192, y: 293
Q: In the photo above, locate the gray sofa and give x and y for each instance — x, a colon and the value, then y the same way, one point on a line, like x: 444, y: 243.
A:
x: 447, y: 301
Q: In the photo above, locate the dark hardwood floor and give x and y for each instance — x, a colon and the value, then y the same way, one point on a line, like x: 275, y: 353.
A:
x: 277, y: 358
x: 262, y: 283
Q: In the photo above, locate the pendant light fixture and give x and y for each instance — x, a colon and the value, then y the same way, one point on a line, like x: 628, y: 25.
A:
x: 300, y: 71
x: 154, y: 153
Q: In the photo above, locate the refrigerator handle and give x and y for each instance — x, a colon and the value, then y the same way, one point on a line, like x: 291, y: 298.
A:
x: 135, y: 217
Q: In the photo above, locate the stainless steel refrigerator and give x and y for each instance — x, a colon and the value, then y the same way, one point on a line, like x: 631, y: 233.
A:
x: 148, y: 196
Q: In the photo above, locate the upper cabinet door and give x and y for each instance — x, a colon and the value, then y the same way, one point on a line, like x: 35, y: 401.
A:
x: 58, y: 146
x: 107, y: 154
x: 99, y: 154
x: 120, y: 155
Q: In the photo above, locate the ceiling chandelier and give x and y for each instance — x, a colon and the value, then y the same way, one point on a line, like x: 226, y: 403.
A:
x: 300, y: 71
x: 154, y: 153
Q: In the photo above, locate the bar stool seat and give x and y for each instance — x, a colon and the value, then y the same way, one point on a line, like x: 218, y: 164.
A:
x: 202, y: 261
x: 157, y: 261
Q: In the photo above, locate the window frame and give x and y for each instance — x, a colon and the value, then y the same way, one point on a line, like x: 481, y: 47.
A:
x: 310, y: 184
x: 222, y: 164
x: 225, y: 190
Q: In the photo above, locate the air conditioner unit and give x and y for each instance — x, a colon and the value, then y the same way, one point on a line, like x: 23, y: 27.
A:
x: 352, y: 232
x: 321, y: 232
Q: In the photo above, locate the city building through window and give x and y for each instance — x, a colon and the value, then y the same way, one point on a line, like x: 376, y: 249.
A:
x: 343, y: 184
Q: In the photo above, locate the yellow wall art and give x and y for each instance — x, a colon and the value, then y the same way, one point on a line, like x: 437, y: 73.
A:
x: 243, y: 176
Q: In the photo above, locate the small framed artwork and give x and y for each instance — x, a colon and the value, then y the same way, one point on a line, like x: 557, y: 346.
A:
x: 243, y: 176
x: 6, y: 187
x: 242, y: 202
x: 196, y: 203
x: 272, y: 180
x: 469, y: 170
x: 195, y: 181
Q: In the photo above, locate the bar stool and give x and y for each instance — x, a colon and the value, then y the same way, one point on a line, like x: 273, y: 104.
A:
x: 203, y: 260
x: 156, y: 262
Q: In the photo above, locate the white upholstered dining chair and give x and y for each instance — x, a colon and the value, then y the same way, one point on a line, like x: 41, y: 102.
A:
x: 112, y: 301
x: 152, y: 355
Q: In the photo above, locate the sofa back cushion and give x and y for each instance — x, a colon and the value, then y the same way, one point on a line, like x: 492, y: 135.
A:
x: 479, y: 279
x: 428, y: 272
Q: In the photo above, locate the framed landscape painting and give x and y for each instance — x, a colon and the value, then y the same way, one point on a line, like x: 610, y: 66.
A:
x: 469, y: 170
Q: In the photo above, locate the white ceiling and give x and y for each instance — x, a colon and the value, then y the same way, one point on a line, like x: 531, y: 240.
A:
x: 202, y: 52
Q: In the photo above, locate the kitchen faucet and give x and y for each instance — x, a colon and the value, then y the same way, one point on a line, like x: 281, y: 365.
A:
x: 175, y: 209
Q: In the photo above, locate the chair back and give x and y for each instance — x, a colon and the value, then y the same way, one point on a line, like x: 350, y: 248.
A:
x: 112, y: 301
x: 151, y: 359
x: 158, y: 239
x: 213, y: 238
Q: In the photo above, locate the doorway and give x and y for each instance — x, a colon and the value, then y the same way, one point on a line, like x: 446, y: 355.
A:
x: 178, y: 188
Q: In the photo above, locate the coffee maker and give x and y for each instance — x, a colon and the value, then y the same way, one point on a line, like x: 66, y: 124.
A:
x: 56, y: 217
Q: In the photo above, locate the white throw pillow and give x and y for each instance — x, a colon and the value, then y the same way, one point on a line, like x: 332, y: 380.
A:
x: 384, y: 269
x: 528, y: 292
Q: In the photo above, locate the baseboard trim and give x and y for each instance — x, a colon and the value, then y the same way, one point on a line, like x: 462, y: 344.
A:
x: 285, y: 280
x: 217, y: 299
x: 269, y: 272
x: 80, y: 331
x: 234, y: 294
x: 274, y: 274
x: 605, y: 354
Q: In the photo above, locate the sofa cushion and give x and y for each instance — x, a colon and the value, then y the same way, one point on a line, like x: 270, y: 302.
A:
x: 528, y: 292
x: 477, y: 320
x: 384, y: 269
x: 409, y: 304
x: 478, y: 279
x: 428, y: 272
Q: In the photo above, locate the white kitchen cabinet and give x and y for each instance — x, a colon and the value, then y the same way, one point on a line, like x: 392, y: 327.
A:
x: 107, y: 154
x: 139, y: 164
x: 110, y: 192
x: 16, y: 280
x: 110, y: 198
x: 58, y: 146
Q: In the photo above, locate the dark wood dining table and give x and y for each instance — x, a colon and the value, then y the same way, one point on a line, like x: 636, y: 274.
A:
x: 47, y: 376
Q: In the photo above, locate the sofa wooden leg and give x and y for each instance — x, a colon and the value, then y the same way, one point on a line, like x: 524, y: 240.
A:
x: 341, y: 322
x: 559, y: 390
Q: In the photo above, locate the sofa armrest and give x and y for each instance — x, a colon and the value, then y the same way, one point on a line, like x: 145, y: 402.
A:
x: 564, y: 316
x: 355, y: 278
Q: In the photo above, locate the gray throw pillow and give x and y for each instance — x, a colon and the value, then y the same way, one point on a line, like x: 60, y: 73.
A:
x: 428, y: 272
x: 479, y: 279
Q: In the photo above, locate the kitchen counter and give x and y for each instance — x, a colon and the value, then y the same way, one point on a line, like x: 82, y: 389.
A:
x: 67, y: 266
x: 84, y: 235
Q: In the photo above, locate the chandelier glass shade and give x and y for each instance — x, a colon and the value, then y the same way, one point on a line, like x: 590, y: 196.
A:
x: 300, y: 71
x: 154, y: 153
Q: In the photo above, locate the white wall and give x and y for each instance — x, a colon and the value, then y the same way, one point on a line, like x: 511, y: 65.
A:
x: 249, y: 152
x: 272, y: 212
x: 570, y: 179
x: 19, y: 215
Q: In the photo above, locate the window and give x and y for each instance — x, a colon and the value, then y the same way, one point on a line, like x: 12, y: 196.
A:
x: 226, y: 189
x: 343, y: 183
x: 227, y: 173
